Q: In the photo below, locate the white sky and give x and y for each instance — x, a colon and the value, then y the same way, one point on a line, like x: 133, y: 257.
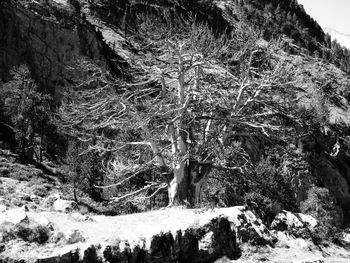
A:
x: 333, y: 14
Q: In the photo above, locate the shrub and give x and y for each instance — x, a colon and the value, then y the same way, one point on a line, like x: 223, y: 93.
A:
x: 86, y: 170
x: 263, y: 206
x: 32, y: 233
x: 321, y: 205
x: 40, y: 190
x: 7, y: 232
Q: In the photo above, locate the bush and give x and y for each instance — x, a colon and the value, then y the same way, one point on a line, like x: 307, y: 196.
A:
x: 85, y: 170
x: 263, y: 206
x: 30, y: 233
x: 321, y: 205
x: 40, y: 190
x: 7, y: 232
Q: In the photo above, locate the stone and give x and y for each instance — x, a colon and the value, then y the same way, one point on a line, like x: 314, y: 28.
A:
x: 3, y: 201
x: 249, y: 228
x: 161, y: 245
x: 81, y: 218
x: 204, y: 243
x: 287, y: 221
x: 54, y: 197
x: 223, y: 240
x: 41, y: 220
x: 3, y: 208
x: 58, y: 238
x: 36, y: 199
x: 26, y: 198
x: 343, y: 239
x: 64, y: 206
x: 75, y: 236
x: 14, y: 216
x: 2, y: 247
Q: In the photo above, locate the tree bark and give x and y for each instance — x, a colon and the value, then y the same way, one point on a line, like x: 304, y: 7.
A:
x: 189, y: 179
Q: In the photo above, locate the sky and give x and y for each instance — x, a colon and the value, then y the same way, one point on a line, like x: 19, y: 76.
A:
x: 333, y: 14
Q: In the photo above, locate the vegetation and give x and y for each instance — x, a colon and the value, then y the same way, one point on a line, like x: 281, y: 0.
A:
x: 26, y: 231
x: 275, y: 18
x: 322, y: 206
x: 202, y: 92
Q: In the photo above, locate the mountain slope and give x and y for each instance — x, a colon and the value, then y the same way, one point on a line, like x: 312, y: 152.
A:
x: 343, y: 39
x: 266, y: 121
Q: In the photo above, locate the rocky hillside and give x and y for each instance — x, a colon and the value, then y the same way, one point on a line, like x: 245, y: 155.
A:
x: 115, y: 107
x: 39, y: 225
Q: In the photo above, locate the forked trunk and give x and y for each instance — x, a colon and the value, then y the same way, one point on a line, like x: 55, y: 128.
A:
x: 189, y: 178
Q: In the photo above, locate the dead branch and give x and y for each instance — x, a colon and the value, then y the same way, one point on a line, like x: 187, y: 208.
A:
x: 119, y: 199
x: 161, y: 187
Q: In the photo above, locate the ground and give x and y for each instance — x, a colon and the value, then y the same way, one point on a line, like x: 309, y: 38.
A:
x: 28, y: 195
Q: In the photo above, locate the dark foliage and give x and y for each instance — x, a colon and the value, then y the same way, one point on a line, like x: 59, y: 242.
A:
x: 275, y: 18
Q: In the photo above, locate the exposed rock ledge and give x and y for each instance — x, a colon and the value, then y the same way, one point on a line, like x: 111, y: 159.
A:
x: 167, y: 235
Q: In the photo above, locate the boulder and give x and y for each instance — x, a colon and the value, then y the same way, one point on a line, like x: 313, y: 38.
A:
x: 74, y: 236
x: 343, y: 239
x: 3, y: 208
x: 81, y: 218
x: 41, y: 220
x: 249, y: 228
x: 36, y: 199
x: 64, y: 206
x: 53, y: 197
x: 287, y: 221
x: 14, y: 216
x: 58, y: 238
x: 2, y: 247
x: 3, y: 201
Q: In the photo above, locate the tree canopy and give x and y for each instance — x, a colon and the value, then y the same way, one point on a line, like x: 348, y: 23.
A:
x: 193, y: 95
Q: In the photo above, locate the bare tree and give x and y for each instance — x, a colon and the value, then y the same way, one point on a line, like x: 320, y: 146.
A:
x: 197, y: 91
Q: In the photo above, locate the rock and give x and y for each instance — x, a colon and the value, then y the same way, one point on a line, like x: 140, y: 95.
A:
x: 71, y: 256
x: 201, y: 244
x: 67, y: 38
x: 224, y: 239
x: 343, y: 239
x: 26, y: 198
x: 36, y: 199
x: 204, y: 243
x: 53, y: 197
x: 3, y: 208
x: 48, y: 201
x: 81, y: 218
x: 41, y: 220
x: 250, y: 229
x: 33, y: 207
x: 14, y: 216
x: 3, y: 201
x: 64, y: 206
x: 58, y: 238
x: 2, y: 247
x: 75, y: 236
x: 287, y: 221
x: 162, y: 245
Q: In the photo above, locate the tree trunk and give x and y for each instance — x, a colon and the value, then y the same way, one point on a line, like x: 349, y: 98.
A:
x: 189, y: 178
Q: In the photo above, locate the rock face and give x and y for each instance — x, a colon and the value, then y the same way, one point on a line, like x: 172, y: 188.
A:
x: 183, y: 247
x: 287, y: 220
x: 250, y: 229
x: 49, y: 39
